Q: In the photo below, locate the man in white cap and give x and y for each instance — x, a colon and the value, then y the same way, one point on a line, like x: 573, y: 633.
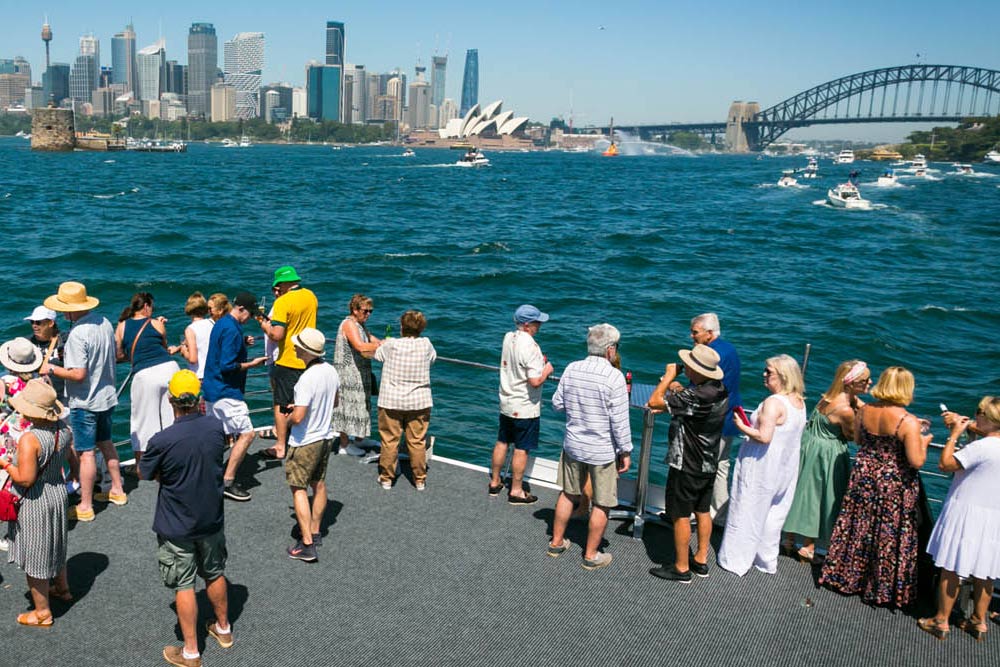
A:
x: 523, y: 371
x: 310, y: 438
x: 51, y: 342
x: 697, y: 414
x: 89, y: 372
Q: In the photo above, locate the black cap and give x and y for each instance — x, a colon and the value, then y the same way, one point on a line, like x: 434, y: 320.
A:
x: 246, y: 300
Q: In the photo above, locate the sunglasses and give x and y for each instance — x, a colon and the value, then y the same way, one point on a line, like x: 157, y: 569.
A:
x: 367, y: 311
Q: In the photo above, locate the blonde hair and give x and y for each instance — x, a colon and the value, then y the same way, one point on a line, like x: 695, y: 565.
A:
x: 220, y: 301
x: 837, y: 386
x: 990, y: 407
x: 895, y: 385
x: 789, y: 373
x: 412, y: 324
x: 196, y: 305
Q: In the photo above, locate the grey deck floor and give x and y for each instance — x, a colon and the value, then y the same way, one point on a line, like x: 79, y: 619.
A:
x: 448, y: 577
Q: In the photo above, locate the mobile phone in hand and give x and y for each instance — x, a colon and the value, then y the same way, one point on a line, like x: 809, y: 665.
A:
x: 741, y: 413
x: 944, y: 408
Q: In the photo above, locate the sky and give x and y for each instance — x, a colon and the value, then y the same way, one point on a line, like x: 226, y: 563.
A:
x: 638, y: 61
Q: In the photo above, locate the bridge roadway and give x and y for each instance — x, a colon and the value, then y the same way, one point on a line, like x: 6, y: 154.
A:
x: 448, y: 576
x: 708, y: 128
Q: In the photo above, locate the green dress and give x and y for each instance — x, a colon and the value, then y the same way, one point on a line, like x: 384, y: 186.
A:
x: 824, y: 468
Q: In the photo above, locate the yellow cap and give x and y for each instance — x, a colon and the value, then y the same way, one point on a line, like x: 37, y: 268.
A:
x: 184, y: 382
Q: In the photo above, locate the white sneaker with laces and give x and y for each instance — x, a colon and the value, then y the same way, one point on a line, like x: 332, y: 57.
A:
x: 421, y: 486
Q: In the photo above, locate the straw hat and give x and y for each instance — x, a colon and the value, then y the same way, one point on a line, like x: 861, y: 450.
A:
x: 71, y: 298
x: 311, y: 340
x: 37, y: 401
x: 703, y: 360
x: 20, y: 355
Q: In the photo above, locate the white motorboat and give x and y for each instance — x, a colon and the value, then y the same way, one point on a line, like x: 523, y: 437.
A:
x: 473, y: 158
x: 245, y: 142
x: 993, y: 157
x: 920, y: 173
x: 787, y: 179
x: 408, y: 153
x: 844, y: 157
x: 811, y: 170
x: 889, y: 178
x: 963, y: 169
x: 229, y: 143
x: 847, y: 195
x: 918, y: 162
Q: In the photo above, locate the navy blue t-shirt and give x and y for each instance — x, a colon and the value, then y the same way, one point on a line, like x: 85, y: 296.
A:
x: 729, y: 362
x: 188, y: 458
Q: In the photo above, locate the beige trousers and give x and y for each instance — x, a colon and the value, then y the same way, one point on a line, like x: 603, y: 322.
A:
x: 391, y: 425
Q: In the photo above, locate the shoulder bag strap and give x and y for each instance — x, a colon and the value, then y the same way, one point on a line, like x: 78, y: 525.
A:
x: 135, y: 341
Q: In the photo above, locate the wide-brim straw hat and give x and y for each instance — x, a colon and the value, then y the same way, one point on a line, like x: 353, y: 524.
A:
x: 703, y: 360
x: 71, y: 298
x: 20, y: 356
x: 311, y: 340
x: 37, y: 401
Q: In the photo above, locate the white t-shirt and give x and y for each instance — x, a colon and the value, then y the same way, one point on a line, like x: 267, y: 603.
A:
x: 202, y: 332
x: 520, y: 359
x: 317, y: 390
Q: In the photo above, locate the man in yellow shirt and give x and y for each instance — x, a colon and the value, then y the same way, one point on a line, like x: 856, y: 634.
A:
x: 293, y: 310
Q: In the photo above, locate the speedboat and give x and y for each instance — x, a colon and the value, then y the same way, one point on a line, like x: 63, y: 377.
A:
x: 245, y: 142
x: 408, y: 153
x: 887, y: 179
x: 993, y: 157
x: 920, y: 173
x: 963, y: 169
x: 811, y: 170
x: 847, y: 195
x: 473, y: 158
x: 918, y: 162
x: 844, y: 157
x: 229, y: 143
x: 787, y: 180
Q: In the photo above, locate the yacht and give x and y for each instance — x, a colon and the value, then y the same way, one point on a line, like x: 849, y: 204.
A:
x: 408, y: 153
x: 229, y: 143
x: 473, y: 158
x: 920, y: 173
x: 963, y: 169
x: 811, y: 170
x: 993, y: 157
x: 245, y: 142
x: 918, y: 162
x: 787, y: 179
x: 888, y: 178
x: 844, y: 157
x: 847, y: 195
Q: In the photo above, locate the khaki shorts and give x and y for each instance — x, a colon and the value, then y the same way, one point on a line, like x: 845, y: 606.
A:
x: 306, y: 465
x: 180, y: 560
x: 604, y: 478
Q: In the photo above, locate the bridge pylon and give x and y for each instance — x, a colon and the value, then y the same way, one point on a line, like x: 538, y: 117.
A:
x: 738, y: 136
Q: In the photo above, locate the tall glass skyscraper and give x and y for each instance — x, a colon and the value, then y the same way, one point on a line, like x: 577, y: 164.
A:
x: 438, y: 66
x: 91, y: 46
x: 82, y: 82
x: 55, y: 82
x: 324, y: 86
x: 203, y: 60
x: 243, y: 64
x: 470, y: 81
x: 334, y: 43
x: 123, y: 58
x: 151, y: 65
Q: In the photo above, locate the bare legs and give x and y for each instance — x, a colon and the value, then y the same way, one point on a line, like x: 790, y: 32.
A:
x: 237, y: 454
x: 309, y: 517
x: 187, y: 611
x: 518, y: 462
x: 280, y: 431
x: 982, y: 592
x: 595, y: 529
x: 682, y: 540
x: 87, y: 471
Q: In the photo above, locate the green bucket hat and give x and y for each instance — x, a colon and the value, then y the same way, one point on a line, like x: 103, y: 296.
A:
x: 285, y: 274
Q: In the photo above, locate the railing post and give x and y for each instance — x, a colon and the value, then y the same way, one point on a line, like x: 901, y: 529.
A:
x: 642, y: 481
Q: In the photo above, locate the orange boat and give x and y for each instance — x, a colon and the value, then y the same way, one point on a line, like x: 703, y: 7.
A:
x: 611, y: 151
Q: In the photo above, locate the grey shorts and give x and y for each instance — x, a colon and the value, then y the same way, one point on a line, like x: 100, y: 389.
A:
x: 604, y: 478
x: 181, y: 560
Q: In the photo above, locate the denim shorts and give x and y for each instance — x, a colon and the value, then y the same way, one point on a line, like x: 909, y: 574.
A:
x: 522, y: 433
x: 90, y: 428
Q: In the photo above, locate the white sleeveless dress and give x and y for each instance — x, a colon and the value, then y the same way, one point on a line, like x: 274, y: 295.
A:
x: 763, y: 489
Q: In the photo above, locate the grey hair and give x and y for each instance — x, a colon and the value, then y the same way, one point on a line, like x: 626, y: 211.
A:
x: 709, y: 322
x: 600, y: 337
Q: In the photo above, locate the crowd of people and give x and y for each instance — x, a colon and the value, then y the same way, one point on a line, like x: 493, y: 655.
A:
x: 792, y: 487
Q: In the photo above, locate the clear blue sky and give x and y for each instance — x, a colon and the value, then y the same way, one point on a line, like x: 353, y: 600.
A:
x: 656, y: 61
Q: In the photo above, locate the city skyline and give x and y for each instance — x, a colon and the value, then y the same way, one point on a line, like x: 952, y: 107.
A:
x: 647, y: 63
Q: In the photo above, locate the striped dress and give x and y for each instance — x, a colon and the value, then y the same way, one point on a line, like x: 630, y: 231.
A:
x: 38, y: 537
x: 353, y: 414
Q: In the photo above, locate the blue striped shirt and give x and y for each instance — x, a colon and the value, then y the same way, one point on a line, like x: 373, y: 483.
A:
x: 594, y: 397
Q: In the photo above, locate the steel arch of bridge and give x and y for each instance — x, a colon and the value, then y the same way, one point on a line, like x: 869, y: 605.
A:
x: 799, y: 110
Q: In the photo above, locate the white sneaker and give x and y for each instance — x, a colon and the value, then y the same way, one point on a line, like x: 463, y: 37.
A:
x: 342, y: 451
x: 4, y: 544
x: 421, y: 486
x: 354, y: 450
x: 385, y: 485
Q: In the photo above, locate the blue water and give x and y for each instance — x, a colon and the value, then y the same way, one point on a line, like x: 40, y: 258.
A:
x: 642, y: 242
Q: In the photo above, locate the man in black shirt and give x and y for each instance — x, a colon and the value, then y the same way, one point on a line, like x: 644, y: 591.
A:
x: 186, y: 459
x: 698, y: 412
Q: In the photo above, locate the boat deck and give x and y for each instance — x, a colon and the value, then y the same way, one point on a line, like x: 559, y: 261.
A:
x: 449, y: 576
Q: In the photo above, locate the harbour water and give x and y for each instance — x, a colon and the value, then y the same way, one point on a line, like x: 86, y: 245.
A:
x: 643, y: 242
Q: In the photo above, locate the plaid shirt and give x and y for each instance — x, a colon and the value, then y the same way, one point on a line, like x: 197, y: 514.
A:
x: 406, y: 373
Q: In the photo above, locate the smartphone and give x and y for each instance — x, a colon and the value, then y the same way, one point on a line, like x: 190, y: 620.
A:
x: 944, y: 408
x: 741, y: 413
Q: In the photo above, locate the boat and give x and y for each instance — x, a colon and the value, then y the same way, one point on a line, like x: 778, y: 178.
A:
x: 889, y: 178
x: 963, y: 169
x: 844, y: 157
x: 229, y: 143
x: 881, y: 153
x: 408, y: 153
x: 847, y: 195
x: 611, y: 150
x: 787, y: 179
x: 918, y: 162
x: 473, y: 158
x: 245, y: 142
x: 920, y: 173
x: 993, y: 157
x: 811, y: 170
x: 462, y: 146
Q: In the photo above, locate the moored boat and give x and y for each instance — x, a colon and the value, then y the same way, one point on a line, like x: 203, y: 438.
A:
x: 847, y: 195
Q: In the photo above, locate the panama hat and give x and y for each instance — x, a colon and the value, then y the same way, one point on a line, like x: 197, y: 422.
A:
x: 71, y: 298
x: 37, y: 401
x: 703, y: 360
x: 311, y: 340
x: 20, y: 355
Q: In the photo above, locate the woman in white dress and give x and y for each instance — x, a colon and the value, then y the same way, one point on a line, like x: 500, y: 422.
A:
x: 966, y: 538
x: 194, y: 348
x: 766, y: 471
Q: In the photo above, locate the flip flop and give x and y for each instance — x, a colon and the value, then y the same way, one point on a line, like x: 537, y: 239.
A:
x: 31, y: 618
x: 270, y: 454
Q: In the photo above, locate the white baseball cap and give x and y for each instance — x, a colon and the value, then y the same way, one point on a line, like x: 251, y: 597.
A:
x: 41, y: 313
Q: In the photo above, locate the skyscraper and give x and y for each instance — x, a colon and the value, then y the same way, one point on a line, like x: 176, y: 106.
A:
x: 86, y: 70
x: 470, y: 81
x: 55, y: 82
x: 176, y: 80
x: 334, y: 43
x: 324, y: 84
x: 243, y: 64
x: 123, y: 58
x: 438, y: 66
x: 335, y: 46
x: 151, y: 71
x: 203, y: 59
x: 418, y: 115
x: 91, y: 46
x: 356, y: 79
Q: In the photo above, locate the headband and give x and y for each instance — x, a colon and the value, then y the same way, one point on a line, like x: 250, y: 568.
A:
x: 855, y: 372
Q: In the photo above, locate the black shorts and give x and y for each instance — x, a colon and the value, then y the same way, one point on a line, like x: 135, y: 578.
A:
x: 688, y: 493
x: 283, y: 381
x: 522, y: 433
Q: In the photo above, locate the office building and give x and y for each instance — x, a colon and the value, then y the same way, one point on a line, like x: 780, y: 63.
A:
x: 123, y: 58
x: 55, y: 82
x: 223, y: 107
x: 12, y: 87
x: 34, y: 97
x: 439, y: 64
x: 91, y: 46
x: 323, y: 88
x: 418, y: 113
x: 300, y: 103
x: 172, y: 106
x: 103, y: 101
x: 447, y: 111
x: 278, y: 107
x: 335, y: 43
x: 203, y: 62
x: 176, y: 79
x: 470, y: 82
x: 355, y: 94
x: 83, y: 79
x: 243, y: 64
x: 151, y: 71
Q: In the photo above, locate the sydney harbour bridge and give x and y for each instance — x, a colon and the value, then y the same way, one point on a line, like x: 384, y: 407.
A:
x: 904, y: 94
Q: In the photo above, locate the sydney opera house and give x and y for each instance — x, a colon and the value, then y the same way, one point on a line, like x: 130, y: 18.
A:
x: 486, y: 127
